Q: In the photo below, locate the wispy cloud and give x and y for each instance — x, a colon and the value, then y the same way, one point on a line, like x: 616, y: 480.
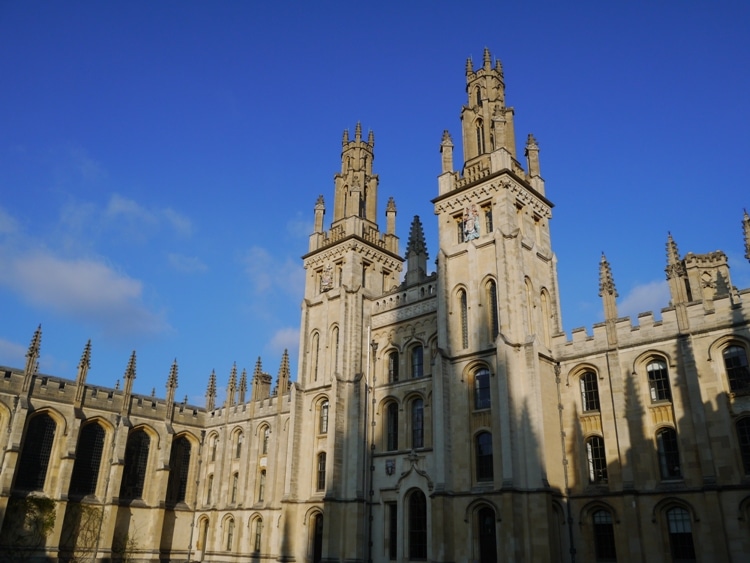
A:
x: 186, y: 264
x: 83, y: 289
x: 652, y: 296
x: 8, y: 225
x: 139, y: 221
x: 285, y: 339
x: 12, y: 353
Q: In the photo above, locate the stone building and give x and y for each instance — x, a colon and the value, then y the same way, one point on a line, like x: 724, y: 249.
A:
x: 439, y: 416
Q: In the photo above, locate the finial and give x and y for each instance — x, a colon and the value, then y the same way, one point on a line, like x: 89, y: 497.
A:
x: 130, y: 369
x: 469, y: 66
x: 606, y: 281
x: 499, y: 66
x: 320, y: 202
x: 35, y: 345
x: 345, y: 138
x: 446, y: 138
x: 85, y: 362
x: 416, y: 242
x: 674, y: 268
x: 358, y: 132
x: 487, y: 59
x: 211, y: 391
x: 391, y: 205
x: 531, y: 142
x: 172, y: 379
x: 371, y: 138
x: 117, y: 385
x: 258, y: 372
x: 284, y: 372
x: 243, y: 385
x: 153, y: 391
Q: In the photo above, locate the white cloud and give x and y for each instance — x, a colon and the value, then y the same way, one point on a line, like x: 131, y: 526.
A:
x: 86, y: 166
x: 82, y: 289
x: 139, y: 221
x: 128, y: 209
x: 186, y: 264
x: 181, y: 224
x: 652, y: 296
x: 285, y: 339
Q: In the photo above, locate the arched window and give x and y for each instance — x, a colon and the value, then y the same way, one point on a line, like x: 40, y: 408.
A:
x: 480, y: 136
x: 658, y: 381
x: 209, y: 489
x: 546, y: 317
x: 417, y: 367
x: 321, y: 481
x: 669, y: 454
x: 136, y: 462
x: 478, y: 96
x: 393, y: 366
x: 487, y: 535
x: 323, y: 418
x: 238, y: 439
x: 417, y: 525
x: 214, y: 444
x: 235, y: 485
x: 258, y: 535
x: 37, y: 450
x: 680, y: 535
x: 335, y: 337
x: 179, y: 467
x: 482, y: 398
x: 266, y: 439
x: 391, y: 427
x: 596, y: 458
x: 743, y: 437
x: 529, y: 306
x: 314, y: 351
x: 417, y: 423
x: 464, y: 312
x: 738, y: 373
x: 589, y: 392
x: 604, y: 536
x: 262, y: 485
x: 492, y: 313
x: 88, y: 460
x: 230, y: 534
x: 483, y: 447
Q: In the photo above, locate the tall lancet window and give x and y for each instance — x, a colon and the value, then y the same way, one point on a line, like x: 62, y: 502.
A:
x: 492, y: 314
x: 480, y: 137
x: 464, y: 311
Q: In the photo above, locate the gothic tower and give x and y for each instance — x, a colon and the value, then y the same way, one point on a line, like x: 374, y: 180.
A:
x: 347, y: 266
x: 498, y: 309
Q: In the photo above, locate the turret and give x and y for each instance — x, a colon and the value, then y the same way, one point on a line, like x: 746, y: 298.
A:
x: 390, y: 217
x: 356, y: 185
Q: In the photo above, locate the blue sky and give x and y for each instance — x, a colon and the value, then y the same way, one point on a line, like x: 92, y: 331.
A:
x: 159, y: 161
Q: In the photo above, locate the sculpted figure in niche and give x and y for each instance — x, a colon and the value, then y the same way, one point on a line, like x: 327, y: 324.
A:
x: 471, y: 223
x: 326, y: 278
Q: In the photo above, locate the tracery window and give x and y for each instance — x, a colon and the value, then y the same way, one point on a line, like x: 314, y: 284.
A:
x: 483, y: 449
x: 417, y: 525
x: 669, y: 454
x: 482, y: 399
x: 589, y: 392
x: 417, y: 423
x: 88, y: 460
x: 391, y: 427
x: 323, y: 418
x: 321, y: 481
x: 738, y: 372
x: 658, y: 381
x: 393, y: 367
x: 604, y: 536
x: 417, y: 359
x: 597, y: 459
x: 680, y: 535
x: 179, y: 467
x: 37, y: 450
x: 136, y: 461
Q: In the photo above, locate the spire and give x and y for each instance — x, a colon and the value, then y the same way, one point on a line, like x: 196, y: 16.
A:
x: 211, y: 392
x: 32, y: 358
x: 469, y: 66
x: 607, y: 290
x: 416, y: 253
x: 345, y: 138
x: 257, y: 378
x: 129, y: 376
x: 83, y: 369
x: 171, y: 388
x: 371, y: 138
x: 232, y: 386
x: 746, y: 230
x: 283, y: 378
x: 358, y: 132
x: 674, y: 263
x: 487, y: 59
x: 532, y: 156
x: 243, y: 386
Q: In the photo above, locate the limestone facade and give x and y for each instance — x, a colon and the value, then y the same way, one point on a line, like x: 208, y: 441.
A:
x: 439, y: 416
